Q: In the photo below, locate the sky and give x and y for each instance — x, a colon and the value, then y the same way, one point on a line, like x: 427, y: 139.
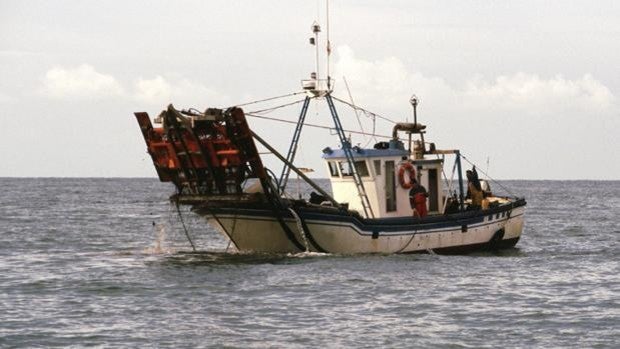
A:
x: 526, y: 89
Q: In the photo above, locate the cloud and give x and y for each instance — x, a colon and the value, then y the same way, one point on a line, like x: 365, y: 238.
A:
x: 182, y: 92
x: 153, y: 90
x: 546, y: 96
x: 530, y: 126
x: 82, y: 82
x: 390, y: 81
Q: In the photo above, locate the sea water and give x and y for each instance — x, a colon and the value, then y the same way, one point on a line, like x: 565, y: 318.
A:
x: 105, y: 263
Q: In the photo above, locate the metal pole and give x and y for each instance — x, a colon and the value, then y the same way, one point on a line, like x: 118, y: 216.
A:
x: 295, y: 169
x: 329, y: 49
x: 346, y: 147
x: 290, y: 156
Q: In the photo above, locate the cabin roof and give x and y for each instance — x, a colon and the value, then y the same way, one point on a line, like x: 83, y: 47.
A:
x: 363, y: 153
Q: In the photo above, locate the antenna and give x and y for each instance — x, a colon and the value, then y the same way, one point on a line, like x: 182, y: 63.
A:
x: 488, y: 160
x: 316, y: 29
x: 316, y: 84
x: 329, y: 47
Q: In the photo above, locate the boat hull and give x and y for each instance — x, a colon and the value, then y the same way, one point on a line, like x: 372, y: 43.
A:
x: 259, y: 230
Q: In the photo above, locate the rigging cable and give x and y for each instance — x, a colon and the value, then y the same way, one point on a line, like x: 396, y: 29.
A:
x: 269, y: 99
x: 314, y: 125
x: 234, y: 225
x: 374, y: 131
x: 176, y: 202
x: 367, y: 112
x: 357, y: 115
x: 489, y: 177
x: 268, y: 110
x: 217, y: 220
x: 445, y: 201
x: 408, y: 242
x: 276, y: 205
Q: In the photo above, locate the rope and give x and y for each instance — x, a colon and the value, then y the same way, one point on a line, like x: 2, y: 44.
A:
x: 408, y: 242
x: 206, y: 207
x: 357, y: 115
x: 183, y: 223
x: 234, y: 225
x: 315, y: 125
x: 269, y: 99
x: 489, y: 177
x: 374, y: 131
x: 268, y: 110
x: 367, y: 112
x: 275, y: 203
x: 302, y: 233
x: 445, y: 201
x: 359, y: 122
x: 232, y: 231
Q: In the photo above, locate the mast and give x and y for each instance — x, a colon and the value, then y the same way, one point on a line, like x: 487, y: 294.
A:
x: 328, y: 48
x: 316, y: 89
x: 316, y: 29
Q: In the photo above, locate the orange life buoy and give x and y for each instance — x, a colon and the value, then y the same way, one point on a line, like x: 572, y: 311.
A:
x: 406, y: 167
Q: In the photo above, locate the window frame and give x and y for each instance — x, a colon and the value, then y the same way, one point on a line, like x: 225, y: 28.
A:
x: 333, y: 169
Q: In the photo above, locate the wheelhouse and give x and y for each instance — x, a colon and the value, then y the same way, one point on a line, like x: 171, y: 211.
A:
x: 383, y: 174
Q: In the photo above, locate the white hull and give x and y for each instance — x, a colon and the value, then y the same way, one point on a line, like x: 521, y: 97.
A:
x: 265, y: 234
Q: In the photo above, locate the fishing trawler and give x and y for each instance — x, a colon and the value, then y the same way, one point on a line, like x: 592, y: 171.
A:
x: 388, y: 198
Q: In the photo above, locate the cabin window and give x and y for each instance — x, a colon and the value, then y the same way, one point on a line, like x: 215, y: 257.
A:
x: 345, y: 169
x: 377, y: 167
x: 333, y: 169
x: 361, y: 168
x: 390, y: 187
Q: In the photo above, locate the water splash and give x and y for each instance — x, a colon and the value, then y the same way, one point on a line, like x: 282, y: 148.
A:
x: 160, y: 239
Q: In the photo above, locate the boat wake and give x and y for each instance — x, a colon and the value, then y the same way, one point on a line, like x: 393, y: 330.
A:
x: 308, y: 254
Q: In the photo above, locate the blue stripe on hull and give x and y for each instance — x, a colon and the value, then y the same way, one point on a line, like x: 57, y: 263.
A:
x: 391, y: 226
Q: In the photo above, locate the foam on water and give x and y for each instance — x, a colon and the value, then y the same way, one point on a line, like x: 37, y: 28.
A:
x: 308, y: 254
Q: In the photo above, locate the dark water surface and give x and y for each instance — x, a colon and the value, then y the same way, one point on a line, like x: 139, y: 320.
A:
x: 81, y: 264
